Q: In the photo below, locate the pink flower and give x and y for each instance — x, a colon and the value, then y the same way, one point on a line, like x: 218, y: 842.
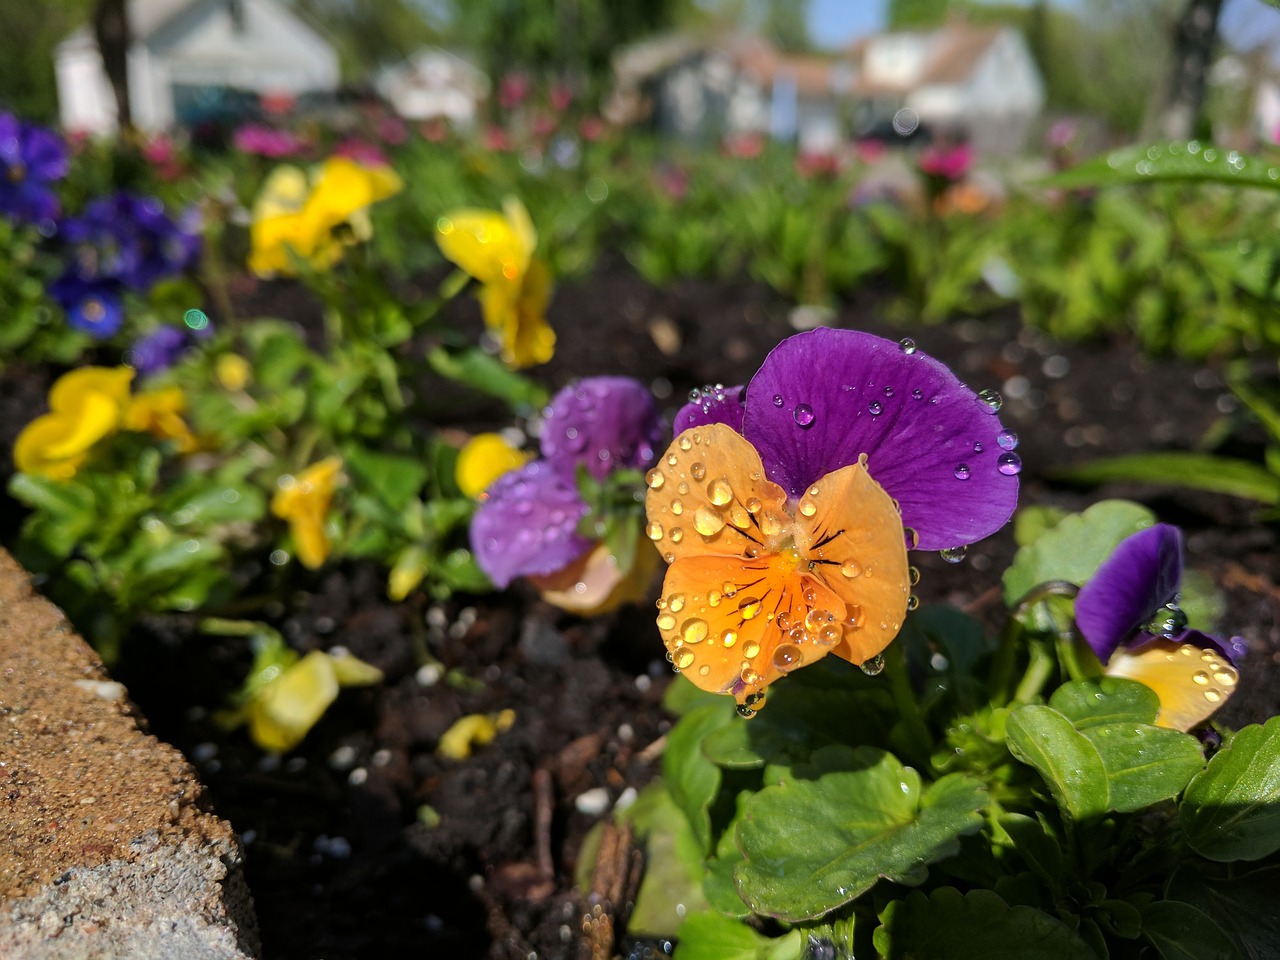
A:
x: 392, y: 130
x: 264, y: 141
x: 495, y: 139
x: 542, y: 125
x: 592, y: 129
x: 947, y: 162
x: 744, y: 146
x: 513, y: 90
x: 560, y: 96
x: 362, y: 152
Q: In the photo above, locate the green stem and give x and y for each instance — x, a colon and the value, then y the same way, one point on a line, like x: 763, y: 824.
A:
x: 1039, y: 670
x: 908, y: 705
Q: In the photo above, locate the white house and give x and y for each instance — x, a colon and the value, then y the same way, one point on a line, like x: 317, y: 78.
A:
x: 185, y: 53
x: 982, y: 81
x: 434, y: 83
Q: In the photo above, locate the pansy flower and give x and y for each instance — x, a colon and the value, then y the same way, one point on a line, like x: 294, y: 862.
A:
x: 497, y: 250
x: 32, y: 158
x: 304, y: 502
x: 164, y: 346
x: 313, y: 218
x: 483, y: 459
x: 258, y: 138
x: 529, y: 524
x: 1129, y: 615
x: 85, y: 406
x: 785, y: 511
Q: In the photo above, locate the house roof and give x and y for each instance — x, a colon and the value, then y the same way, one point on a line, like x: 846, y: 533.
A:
x: 950, y: 55
x: 958, y: 50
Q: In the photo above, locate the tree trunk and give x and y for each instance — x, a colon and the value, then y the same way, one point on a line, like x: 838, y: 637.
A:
x: 111, y: 28
x: 1175, y: 116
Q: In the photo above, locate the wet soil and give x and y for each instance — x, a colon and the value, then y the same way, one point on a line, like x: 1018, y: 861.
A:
x: 364, y: 843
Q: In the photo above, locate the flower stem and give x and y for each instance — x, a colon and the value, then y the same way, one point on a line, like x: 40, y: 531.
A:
x: 904, y: 698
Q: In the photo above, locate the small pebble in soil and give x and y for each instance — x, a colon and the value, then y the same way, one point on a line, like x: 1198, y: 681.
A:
x: 343, y: 758
x: 592, y: 802
x: 428, y: 674
x: 626, y: 733
x: 625, y: 799
x: 357, y: 776
x: 643, y: 683
x: 381, y: 757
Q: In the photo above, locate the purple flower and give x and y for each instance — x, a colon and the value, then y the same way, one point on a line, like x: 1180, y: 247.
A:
x: 267, y: 141
x: 158, y: 350
x: 131, y: 239
x: 824, y: 397
x: 1128, y: 614
x: 31, y: 158
x: 528, y: 525
x: 92, y: 305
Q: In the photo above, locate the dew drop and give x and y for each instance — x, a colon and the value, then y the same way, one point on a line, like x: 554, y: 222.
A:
x: 751, y: 650
x: 962, y: 471
x: 666, y: 622
x: 803, y: 414
x: 753, y: 505
x: 1213, y: 694
x: 912, y: 538
x: 887, y: 391
x: 954, y: 554
x: 1007, y: 439
x: 654, y: 530
x: 655, y: 478
x: 704, y: 670
x: 684, y: 443
x: 694, y: 630
x: 676, y: 602
x: 808, y: 508
x: 907, y: 346
x: 677, y: 507
x: 698, y: 471
x: 1009, y: 464
x: 777, y: 400
x: 787, y: 657
x: 816, y: 619
x: 913, y: 602
x: 978, y: 447
x: 745, y: 712
x: 672, y: 460
x: 874, y: 408
x: 739, y: 516
x: 749, y: 608
x: 850, y: 569
x: 917, y: 394
x: 676, y: 534
x: 719, y: 491
x: 1224, y: 677
x: 874, y: 666
x: 707, y: 521
x: 913, y: 575
x: 992, y: 400
x: 828, y: 635
x: 729, y: 638
x: 749, y: 676
x: 1200, y: 677
x: 684, y: 659
x: 729, y: 588
x: 683, y: 489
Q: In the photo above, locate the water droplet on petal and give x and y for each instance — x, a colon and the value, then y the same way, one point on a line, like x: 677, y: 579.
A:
x: 684, y: 443
x: 654, y: 530
x: 850, y: 569
x: 676, y: 534
x: 729, y: 638
x: 874, y: 408
x: 913, y: 575
x: 992, y: 399
x: 912, y: 538
x: 749, y: 608
x: 907, y: 346
x: 1010, y: 464
x: 787, y: 657
x: 917, y: 394
x: 684, y: 659
x: 1007, y: 439
x: 888, y: 391
x: 666, y: 622
x: 954, y: 554
x: 694, y: 630
x: 962, y: 471
x: 777, y: 400
x: 978, y: 447
x: 808, y: 508
x: 719, y: 491
x: 753, y: 505
x: 655, y: 478
x: 873, y: 666
x: 803, y: 414
x: 707, y: 521
x: 676, y: 602
x: 698, y: 471
x: 913, y: 602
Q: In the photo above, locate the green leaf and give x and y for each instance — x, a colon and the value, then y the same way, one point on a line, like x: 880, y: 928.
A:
x: 1242, y: 904
x: 1145, y: 764
x: 672, y: 884
x: 1231, y: 811
x: 395, y: 480
x: 693, y: 779
x: 1075, y: 547
x: 1037, y: 848
x: 1182, y: 932
x: 476, y: 369
x: 1195, y: 471
x: 1031, y: 522
x: 682, y: 696
x: 709, y: 936
x: 814, y: 845
x: 1088, y: 703
x: 1069, y: 764
x: 948, y: 925
x: 459, y: 571
x: 1178, y: 160
x: 718, y: 884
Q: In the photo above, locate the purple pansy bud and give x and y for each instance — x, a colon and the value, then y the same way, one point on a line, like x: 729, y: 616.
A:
x: 607, y: 423
x: 528, y: 525
x: 824, y: 397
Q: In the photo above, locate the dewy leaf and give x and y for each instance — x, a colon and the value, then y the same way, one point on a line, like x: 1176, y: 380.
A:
x: 1181, y: 932
x: 1075, y: 547
x: 1088, y: 703
x: 1196, y: 471
x: 948, y: 925
x: 1231, y: 811
x: 671, y: 886
x: 709, y: 936
x: 1244, y: 905
x: 1145, y: 763
x: 693, y: 779
x: 1043, y: 738
x: 1178, y: 160
x: 814, y: 845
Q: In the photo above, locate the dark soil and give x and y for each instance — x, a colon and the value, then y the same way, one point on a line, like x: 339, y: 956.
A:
x: 363, y: 843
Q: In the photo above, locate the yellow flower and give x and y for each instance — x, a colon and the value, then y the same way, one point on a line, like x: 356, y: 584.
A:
x: 85, y: 405
x: 304, y: 502
x: 233, y: 372
x: 283, y: 711
x: 497, y: 250
x: 159, y: 413
x: 594, y: 584
x: 473, y: 730
x: 294, y: 217
x: 483, y: 459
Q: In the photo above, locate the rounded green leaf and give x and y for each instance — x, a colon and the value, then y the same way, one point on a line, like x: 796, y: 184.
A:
x: 709, y: 936
x: 1144, y: 764
x: 1176, y: 160
x: 813, y: 845
x: 693, y: 779
x: 1087, y: 703
x: 948, y: 925
x: 1070, y: 765
x: 1074, y: 548
x: 1231, y: 811
x: 1181, y: 932
x: 1243, y: 904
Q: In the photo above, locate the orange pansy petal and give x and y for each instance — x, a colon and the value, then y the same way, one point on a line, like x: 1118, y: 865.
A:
x: 850, y: 535
x: 708, y: 495
x: 1192, y: 683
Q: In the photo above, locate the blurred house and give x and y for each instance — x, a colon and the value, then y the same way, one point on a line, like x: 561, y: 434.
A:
x: 703, y: 90
x: 191, y: 60
x: 979, y: 82
x: 435, y: 84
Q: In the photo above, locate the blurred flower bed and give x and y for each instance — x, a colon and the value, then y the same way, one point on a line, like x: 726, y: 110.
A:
x: 299, y: 360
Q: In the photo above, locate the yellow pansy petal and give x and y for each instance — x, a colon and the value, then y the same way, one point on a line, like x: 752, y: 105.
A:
x: 484, y: 245
x: 305, y: 504
x: 473, y: 730
x: 344, y: 186
x: 521, y: 224
x: 593, y: 585
x: 287, y: 708
x: 483, y: 459
x: 233, y: 371
x: 351, y: 671
x: 284, y: 191
x: 72, y: 389
x: 527, y: 338
x: 1192, y: 683
x: 31, y: 451
x: 271, y: 241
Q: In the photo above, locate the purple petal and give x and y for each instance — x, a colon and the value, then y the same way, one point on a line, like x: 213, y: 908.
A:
x: 714, y: 405
x: 1141, y: 576
x: 158, y: 350
x: 528, y: 526
x: 44, y: 153
x: 1233, y: 648
x: 825, y: 396
x: 608, y: 423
